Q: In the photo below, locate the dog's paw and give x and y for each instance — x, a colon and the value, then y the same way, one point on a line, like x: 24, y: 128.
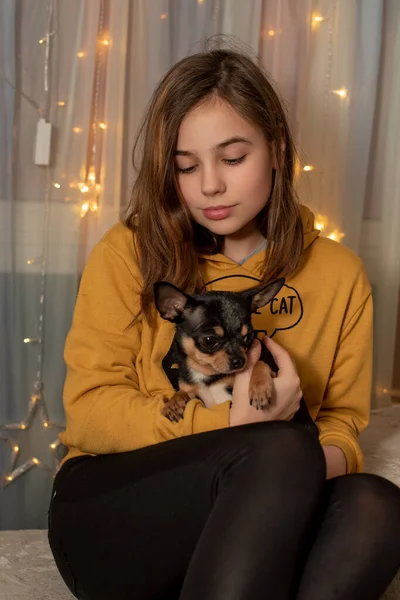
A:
x: 260, y: 398
x: 174, y: 408
x: 260, y: 388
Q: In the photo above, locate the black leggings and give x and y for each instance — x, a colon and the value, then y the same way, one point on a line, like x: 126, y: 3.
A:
x: 235, y: 514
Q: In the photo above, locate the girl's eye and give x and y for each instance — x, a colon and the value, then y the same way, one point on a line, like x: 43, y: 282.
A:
x: 187, y: 170
x: 227, y: 161
x: 234, y: 161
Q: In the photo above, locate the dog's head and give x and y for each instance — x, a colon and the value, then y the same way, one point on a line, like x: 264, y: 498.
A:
x: 214, y: 329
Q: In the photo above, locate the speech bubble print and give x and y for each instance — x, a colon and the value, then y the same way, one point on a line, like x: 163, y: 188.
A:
x: 284, y: 311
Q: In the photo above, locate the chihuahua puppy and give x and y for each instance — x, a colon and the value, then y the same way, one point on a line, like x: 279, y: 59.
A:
x: 213, y: 334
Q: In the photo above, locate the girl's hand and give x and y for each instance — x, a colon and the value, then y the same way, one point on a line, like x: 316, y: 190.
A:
x: 286, y: 393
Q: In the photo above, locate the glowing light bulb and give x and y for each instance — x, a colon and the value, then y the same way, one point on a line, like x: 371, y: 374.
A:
x: 57, y: 185
x: 81, y: 54
x: 35, y: 460
x: 308, y: 168
x: 83, y: 187
x: 102, y: 126
x: 316, y: 21
x: 45, y: 424
x: 53, y: 446
x: 342, y: 92
x: 271, y: 32
x: 23, y: 426
x: 84, y: 209
x: 42, y: 41
x: 163, y: 16
x: 336, y: 236
x: 9, y: 478
x: 16, y: 448
x: 320, y: 222
x: 77, y: 129
x: 61, y: 103
x: 92, y: 176
x: 105, y: 42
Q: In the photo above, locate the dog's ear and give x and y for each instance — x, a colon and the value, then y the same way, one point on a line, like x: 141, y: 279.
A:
x: 261, y: 295
x: 170, y: 300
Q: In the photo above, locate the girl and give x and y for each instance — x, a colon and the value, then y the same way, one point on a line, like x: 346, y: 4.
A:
x: 230, y: 502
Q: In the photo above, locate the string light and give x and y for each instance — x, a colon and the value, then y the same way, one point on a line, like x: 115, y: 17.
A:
x: 316, y: 21
x: 31, y: 261
x: 12, y: 471
x: 163, y: 16
x: 57, y: 185
x: 77, y: 129
x: 61, y: 103
x: 271, y: 32
x: 200, y: 1
x: 342, y: 92
x: 320, y: 222
x: 36, y: 402
x: 336, y: 236
x: 90, y: 187
x: 81, y: 54
x: 308, y: 168
x: 84, y: 209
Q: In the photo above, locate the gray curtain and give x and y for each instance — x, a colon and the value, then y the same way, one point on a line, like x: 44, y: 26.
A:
x: 46, y: 227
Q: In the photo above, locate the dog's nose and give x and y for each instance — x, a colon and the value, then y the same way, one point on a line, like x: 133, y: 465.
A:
x: 238, y: 362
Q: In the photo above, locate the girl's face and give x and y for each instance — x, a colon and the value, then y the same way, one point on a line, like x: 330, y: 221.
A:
x: 223, y: 161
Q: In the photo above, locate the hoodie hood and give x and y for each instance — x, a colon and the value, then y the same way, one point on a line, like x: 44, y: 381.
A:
x: 309, y: 232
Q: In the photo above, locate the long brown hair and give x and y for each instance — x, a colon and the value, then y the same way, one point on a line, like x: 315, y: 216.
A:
x: 168, y: 242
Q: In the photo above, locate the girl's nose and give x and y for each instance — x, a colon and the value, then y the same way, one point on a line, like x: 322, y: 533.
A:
x: 212, y: 182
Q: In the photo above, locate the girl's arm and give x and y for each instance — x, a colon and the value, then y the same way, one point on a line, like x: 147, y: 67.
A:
x: 105, y: 408
x: 346, y: 406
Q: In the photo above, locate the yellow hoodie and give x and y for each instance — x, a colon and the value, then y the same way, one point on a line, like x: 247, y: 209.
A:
x: 117, y: 376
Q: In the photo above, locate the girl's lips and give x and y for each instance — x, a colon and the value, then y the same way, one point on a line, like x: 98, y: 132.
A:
x: 216, y: 214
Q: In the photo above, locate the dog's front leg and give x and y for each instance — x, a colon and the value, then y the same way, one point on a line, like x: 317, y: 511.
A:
x: 260, y: 388
x: 174, y: 408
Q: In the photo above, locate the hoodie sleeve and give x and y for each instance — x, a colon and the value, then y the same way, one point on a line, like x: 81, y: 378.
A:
x: 346, y: 406
x: 105, y: 410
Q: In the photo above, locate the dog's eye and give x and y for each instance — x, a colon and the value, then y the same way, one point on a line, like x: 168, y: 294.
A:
x: 248, y: 338
x: 210, y: 341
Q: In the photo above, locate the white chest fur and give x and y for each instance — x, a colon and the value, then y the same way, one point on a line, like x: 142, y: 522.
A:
x: 214, y: 394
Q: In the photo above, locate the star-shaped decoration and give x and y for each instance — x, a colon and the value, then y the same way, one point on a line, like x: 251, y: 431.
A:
x: 13, y: 470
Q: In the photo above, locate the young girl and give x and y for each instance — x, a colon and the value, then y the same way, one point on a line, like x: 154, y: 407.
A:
x: 230, y: 502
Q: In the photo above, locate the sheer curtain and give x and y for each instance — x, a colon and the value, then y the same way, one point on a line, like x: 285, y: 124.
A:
x: 104, y: 58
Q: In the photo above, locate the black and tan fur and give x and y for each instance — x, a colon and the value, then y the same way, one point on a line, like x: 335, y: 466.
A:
x: 213, y: 334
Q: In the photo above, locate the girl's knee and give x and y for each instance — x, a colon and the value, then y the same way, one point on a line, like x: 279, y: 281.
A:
x: 289, y: 444
x: 372, y: 496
